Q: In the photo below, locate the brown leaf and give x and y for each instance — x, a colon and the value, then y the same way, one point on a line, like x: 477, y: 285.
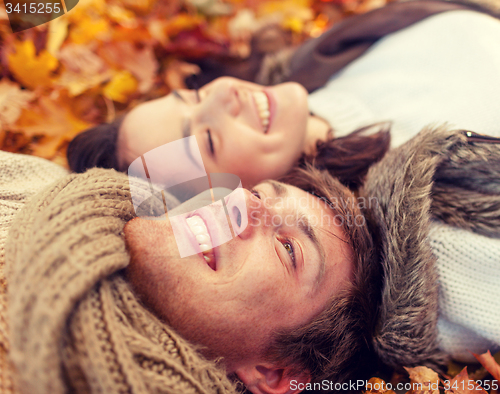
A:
x: 425, y: 380
x: 83, y: 69
x: 81, y: 59
x: 141, y: 63
x: 461, y: 384
x: 488, y: 362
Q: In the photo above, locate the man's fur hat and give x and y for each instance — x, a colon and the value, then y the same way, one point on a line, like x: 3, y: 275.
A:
x: 452, y: 176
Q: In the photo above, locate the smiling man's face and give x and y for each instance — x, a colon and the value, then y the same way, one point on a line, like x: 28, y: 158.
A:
x: 279, y: 272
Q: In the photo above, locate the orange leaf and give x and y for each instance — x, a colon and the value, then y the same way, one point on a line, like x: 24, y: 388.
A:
x: 31, y: 70
x: 426, y: 379
x: 47, y: 147
x: 52, y: 118
x: 12, y: 101
x: 461, y: 384
x: 489, y: 363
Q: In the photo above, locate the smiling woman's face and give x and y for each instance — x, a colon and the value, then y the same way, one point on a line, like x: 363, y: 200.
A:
x: 249, y: 130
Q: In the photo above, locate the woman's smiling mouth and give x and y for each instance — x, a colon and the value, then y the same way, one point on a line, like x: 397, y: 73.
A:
x: 262, y: 102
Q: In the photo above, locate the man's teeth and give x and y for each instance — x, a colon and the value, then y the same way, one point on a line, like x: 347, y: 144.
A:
x: 199, y: 230
x: 263, y: 108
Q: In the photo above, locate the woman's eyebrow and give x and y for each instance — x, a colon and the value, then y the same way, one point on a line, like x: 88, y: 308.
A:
x: 186, y: 129
x: 186, y: 124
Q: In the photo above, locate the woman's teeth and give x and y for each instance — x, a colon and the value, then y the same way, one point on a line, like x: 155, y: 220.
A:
x: 199, y: 230
x: 263, y: 108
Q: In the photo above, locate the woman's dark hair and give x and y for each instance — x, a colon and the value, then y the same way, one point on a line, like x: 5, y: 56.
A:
x: 348, y: 158
x: 95, y: 147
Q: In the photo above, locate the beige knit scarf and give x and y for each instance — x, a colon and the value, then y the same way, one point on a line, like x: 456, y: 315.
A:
x: 75, y: 324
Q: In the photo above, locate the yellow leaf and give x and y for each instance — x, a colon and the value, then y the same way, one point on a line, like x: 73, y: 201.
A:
x: 122, y: 85
x: 88, y: 30
x: 58, y: 30
x: 294, y: 24
x: 183, y: 22
x: 30, y: 70
x: 270, y: 7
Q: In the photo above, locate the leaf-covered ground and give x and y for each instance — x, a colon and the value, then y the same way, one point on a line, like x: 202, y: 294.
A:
x: 106, y: 56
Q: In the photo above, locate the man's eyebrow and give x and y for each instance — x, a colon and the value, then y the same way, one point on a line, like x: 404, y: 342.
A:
x: 305, y: 227
x: 178, y: 95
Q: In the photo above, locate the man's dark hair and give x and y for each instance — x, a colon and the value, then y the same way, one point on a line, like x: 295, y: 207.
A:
x: 336, y: 345
x: 95, y: 147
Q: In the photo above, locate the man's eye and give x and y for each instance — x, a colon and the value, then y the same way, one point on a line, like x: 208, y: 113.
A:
x: 210, y: 143
x: 255, y: 193
x: 288, y: 245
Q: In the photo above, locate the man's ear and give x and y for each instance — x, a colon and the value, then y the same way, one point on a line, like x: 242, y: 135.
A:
x: 267, y: 379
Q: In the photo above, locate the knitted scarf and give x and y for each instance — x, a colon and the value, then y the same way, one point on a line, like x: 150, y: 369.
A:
x: 75, y: 324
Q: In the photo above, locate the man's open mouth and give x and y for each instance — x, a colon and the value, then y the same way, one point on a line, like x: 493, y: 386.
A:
x: 200, y: 231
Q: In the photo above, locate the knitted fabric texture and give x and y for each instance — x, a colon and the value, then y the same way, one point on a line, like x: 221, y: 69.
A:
x: 469, y: 298
x: 21, y: 177
x: 75, y: 324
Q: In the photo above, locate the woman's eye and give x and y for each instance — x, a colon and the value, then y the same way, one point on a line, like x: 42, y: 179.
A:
x: 210, y: 143
x: 289, y: 248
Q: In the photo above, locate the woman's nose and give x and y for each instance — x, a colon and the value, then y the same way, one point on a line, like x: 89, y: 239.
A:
x: 223, y: 95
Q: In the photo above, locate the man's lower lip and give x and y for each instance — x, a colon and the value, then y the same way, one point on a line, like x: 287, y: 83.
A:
x: 213, y: 263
